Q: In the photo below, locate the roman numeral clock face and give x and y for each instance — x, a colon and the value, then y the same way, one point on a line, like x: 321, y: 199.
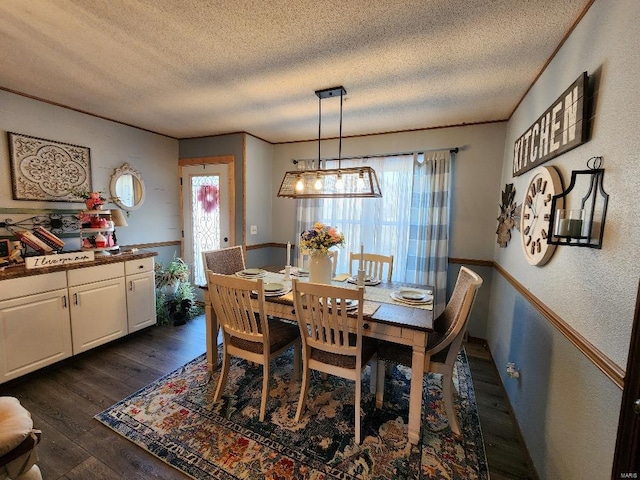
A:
x: 536, y: 214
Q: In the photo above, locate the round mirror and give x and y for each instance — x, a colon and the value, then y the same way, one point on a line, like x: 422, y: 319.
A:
x: 127, y: 187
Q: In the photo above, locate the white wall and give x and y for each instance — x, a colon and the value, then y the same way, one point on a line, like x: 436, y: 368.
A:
x: 564, y: 404
x: 259, y: 194
x: 111, y: 144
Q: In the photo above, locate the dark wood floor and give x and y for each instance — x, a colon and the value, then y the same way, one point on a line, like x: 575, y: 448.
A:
x: 63, y: 400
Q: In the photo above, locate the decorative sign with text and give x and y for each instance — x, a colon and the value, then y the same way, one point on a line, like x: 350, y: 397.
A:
x: 560, y: 128
x: 60, y: 259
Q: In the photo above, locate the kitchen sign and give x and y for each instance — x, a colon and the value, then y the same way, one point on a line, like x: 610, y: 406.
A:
x: 560, y: 128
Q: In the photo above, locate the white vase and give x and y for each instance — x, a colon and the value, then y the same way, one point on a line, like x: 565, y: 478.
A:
x: 170, y: 289
x: 320, y: 269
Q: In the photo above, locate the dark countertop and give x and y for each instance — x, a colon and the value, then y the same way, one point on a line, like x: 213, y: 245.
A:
x: 17, y: 271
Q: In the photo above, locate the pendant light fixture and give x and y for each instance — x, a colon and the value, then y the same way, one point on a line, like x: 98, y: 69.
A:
x: 353, y: 182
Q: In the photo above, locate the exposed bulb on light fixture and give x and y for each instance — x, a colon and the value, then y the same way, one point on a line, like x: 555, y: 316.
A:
x: 318, y: 184
x: 299, y: 184
x: 339, y: 182
x: 360, y: 182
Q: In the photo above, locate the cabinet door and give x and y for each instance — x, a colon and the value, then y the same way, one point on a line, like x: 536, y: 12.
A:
x: 141, y: 300
x: 98, y: 313
x: 34, y: 332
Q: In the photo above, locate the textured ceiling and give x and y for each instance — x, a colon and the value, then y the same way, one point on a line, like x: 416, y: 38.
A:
x: 197, y: 68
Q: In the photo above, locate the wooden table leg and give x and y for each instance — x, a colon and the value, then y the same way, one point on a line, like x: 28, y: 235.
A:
x: 211, y: 326
x: 415, y: 394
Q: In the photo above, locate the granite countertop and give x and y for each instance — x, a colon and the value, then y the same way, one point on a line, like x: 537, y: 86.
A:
x: 17, y: 271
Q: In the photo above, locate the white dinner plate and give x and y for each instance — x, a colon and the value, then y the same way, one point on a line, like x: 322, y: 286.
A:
x: 275, y: 293
x: 251, y: 273
x: 350, y: 304
x: 273, y: 287
x: 415, y: 295
x: 397, y: 296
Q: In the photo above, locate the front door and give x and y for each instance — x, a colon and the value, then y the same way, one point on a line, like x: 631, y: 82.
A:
x: 206, y: 213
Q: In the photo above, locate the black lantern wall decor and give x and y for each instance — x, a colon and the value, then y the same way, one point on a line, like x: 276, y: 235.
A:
x: 581, y: 222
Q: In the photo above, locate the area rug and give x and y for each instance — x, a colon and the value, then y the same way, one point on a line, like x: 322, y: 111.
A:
x: 176, y: 420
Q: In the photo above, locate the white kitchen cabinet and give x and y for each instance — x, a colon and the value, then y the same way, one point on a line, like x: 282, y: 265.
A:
x: 34, y: 324
x: 141, y: 294
x: 98, y: 305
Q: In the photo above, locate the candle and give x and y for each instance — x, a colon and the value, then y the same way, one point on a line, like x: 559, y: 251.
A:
x: 288, y: 253
x: 361, y: 256
x: 563, y: 228
x: 575, y: 228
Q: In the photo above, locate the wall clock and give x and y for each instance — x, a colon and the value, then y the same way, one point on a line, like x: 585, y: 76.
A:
x: 536, y: 213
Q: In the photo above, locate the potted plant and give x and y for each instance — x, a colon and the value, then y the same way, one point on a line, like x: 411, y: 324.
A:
x: 170, y: 275
x: 175, y: 295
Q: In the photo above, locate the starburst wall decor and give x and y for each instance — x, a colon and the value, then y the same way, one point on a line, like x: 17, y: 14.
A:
x: 508, y: 215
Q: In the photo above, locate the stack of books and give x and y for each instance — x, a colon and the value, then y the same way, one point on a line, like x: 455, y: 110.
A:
x: 41, y: 240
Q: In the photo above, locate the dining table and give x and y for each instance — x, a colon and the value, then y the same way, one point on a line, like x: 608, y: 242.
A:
x: 386, y: 316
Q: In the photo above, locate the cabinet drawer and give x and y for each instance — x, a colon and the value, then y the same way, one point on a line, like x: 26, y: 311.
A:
x: 81, y: 276
x: 138, y: 266
x: 30, y: 285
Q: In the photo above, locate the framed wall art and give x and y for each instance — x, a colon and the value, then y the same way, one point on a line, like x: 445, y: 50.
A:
x: 47, y: 170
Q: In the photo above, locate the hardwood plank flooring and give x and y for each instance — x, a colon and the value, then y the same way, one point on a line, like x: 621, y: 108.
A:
x: 64, y: 398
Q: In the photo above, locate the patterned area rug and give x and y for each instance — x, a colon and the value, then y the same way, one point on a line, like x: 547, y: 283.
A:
x: 175, y: 419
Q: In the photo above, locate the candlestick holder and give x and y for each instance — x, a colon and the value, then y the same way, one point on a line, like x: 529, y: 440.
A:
x: 287, y: 273
x: 361, y: 279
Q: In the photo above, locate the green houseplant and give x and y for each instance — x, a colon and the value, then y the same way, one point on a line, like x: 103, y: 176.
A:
x: 175, y: 295
x: 170, y: 275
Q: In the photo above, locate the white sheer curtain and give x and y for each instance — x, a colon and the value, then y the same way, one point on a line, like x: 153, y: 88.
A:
x: 378, y: 223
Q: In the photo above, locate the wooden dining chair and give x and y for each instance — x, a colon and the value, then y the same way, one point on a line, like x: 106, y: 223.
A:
x: 225, y: 261
x: 443, y: 345
x: 303, y: 260
x: 373, y: 265
x: 332, y: 342
x: 247, y: 332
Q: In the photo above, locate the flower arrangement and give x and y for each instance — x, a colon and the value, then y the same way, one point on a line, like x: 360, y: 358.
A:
x: 93, y: 200
x: 320, y: 239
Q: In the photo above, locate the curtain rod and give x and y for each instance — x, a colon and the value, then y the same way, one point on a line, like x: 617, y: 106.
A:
x: 378, y: 155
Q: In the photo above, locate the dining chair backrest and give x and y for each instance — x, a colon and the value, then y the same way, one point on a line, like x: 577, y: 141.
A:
x: 303, y: 259
x: 373, y: 265
x: 226, y: 261
x: 326, y: 328
x: 237, y: 315
x: 452, y: 323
